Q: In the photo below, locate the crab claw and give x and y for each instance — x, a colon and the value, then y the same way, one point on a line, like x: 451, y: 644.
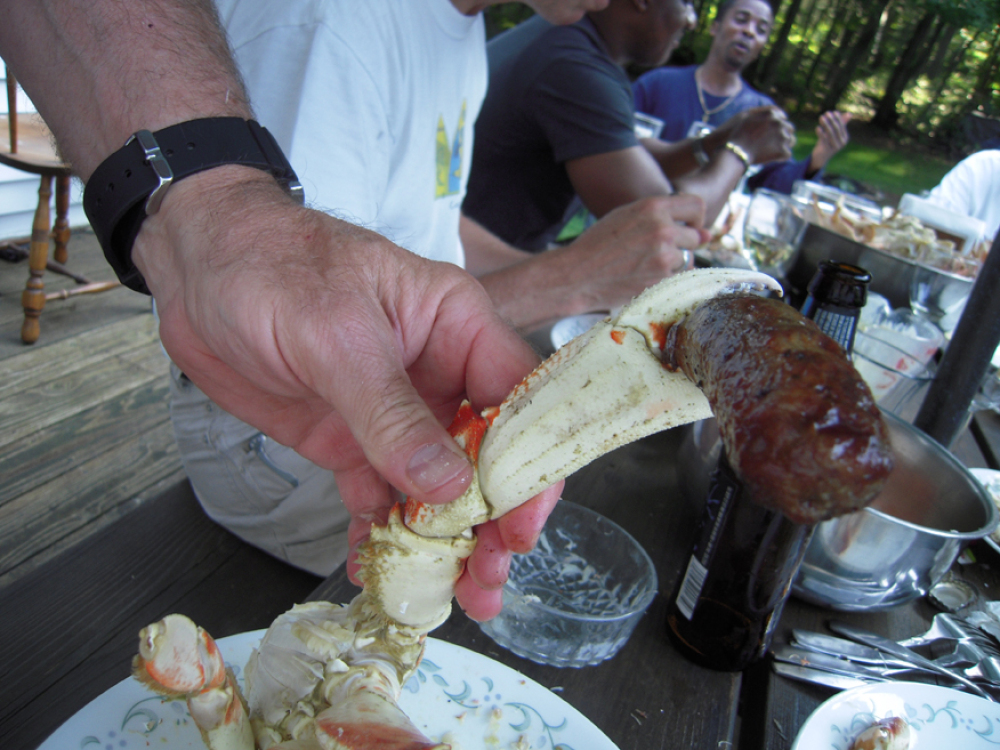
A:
x: 180, y: 660
x: 365, y: 719
x: 604, y: 389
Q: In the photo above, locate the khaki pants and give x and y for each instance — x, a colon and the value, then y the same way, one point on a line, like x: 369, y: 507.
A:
x: 265, y: 493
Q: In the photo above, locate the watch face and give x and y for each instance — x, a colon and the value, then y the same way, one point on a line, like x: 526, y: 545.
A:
x: 699, y: 129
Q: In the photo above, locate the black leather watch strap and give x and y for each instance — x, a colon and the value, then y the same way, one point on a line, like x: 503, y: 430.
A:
x: 129, y: 185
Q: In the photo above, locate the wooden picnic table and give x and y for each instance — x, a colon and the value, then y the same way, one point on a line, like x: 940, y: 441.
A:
x: 68, y: 631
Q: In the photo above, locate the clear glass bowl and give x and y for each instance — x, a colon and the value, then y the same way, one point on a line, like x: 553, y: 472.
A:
x: 576, y: 598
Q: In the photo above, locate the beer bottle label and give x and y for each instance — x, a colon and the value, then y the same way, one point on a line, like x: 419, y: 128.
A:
x: 722, y: 493
x: 837, y: 325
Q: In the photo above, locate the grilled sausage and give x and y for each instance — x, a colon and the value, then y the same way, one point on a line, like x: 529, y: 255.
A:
x: 798, y: 423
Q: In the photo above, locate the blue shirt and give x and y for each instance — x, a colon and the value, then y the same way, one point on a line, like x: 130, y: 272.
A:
x: 670, y: 94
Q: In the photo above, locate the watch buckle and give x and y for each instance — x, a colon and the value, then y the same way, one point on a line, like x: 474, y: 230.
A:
x: 157, y: 161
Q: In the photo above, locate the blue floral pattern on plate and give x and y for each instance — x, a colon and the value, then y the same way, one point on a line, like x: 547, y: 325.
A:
x: 939, y: 717
x: 456, y: 695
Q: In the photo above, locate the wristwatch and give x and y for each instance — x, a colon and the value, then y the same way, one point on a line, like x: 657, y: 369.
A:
x: 700, y: 155
x: 130, y: 184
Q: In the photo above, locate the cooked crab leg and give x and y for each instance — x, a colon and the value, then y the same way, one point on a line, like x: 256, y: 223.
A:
x: 180, y: 660
x: 327, y: 676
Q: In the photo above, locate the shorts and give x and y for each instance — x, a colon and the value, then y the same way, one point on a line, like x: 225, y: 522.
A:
x: 265, y: 493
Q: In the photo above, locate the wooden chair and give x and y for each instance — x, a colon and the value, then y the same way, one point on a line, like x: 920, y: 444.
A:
x: 31, y: 150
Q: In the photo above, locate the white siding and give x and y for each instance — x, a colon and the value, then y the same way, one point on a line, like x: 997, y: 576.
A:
x: 19, y: 190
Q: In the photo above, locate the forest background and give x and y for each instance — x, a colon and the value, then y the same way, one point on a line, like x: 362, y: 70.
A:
x: 920, y: 77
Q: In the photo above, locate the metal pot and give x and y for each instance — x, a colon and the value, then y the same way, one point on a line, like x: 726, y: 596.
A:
x: 892, y: 275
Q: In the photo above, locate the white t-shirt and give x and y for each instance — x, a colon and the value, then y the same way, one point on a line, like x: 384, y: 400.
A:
x: 972, y: 188
x: 373, y: 102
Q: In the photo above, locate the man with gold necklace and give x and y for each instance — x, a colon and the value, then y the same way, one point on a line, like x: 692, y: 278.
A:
x: 694, y: 100
x: 558, y: 121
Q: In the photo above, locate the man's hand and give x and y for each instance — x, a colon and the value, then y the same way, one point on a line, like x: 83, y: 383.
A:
x: 634, y: 247
x: 765, y: 133
x: 831, y: 136
x: 334, y: 341
x: 631, y: 248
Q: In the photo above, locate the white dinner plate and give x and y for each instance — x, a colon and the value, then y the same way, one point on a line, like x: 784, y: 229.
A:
x: 990, y: 480
x: 457, y: 696
x: 940, y: 718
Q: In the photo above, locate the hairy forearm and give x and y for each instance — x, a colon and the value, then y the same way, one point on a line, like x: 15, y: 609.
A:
x: 98, y: 70
x: 519, y: 283
x: 484, y: 251
x: 538, y: 291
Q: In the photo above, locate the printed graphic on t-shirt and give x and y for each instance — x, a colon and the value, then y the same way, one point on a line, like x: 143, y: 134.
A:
x: 449, y: 157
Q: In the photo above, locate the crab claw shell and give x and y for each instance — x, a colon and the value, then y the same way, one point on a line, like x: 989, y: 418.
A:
x: 363, y: 720
x: 602, y: 390
x: 413, y: 576
x: 178, y: 659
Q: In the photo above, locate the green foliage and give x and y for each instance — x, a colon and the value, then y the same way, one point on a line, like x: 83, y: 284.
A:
x: 878, y: 162
x: 980, y: 14
x: 950, y: 76
x: 499, y: 18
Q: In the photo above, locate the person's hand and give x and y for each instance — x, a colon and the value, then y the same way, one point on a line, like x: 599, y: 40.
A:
x: 334, y: 341
x: 629, y: 249
x: 831, y: 136
x: 765, y: 133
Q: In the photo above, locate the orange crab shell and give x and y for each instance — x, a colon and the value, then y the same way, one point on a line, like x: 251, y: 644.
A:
x: 468, y: 429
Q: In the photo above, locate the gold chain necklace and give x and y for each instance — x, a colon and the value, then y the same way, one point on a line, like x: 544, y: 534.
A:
x: 706, y: 112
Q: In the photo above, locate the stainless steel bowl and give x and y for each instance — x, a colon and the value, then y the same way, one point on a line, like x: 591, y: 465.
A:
x: 896, y: 549
x: 891, y: 274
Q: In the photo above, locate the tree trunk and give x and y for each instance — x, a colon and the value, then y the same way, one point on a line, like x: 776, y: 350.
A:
x: 768, y: 69
x: 936, y: 62
x: 884, y: 33
x: 826, y: 44
x: 907, y: 66
x: 803, y: 47
x: 859, y: 51
x: 950, y: 67
x: 845, y: 40
x: 987, y: 75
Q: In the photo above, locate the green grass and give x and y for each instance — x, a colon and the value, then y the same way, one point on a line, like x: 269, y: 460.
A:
x: 891, y: 168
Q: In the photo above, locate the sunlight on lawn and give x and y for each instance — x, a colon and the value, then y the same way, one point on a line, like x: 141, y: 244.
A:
x: 895, y: 172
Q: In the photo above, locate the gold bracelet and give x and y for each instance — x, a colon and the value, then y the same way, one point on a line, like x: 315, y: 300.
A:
x: 742, y: 155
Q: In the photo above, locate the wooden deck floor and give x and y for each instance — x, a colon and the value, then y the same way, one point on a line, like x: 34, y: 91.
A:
x: 85, y: 433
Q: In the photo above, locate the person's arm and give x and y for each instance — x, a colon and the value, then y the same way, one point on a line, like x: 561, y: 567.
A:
x: 628, y: 250
x: 606, y: 181
x: 484, y: 251
x: 831, y: 137
x: 779, y: 175
x: 325, y: 336
x: 100, y: 71
x: 680, y: 158
x: 782, y: 175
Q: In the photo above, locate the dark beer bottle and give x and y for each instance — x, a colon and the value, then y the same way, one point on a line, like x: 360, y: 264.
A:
x: 727, y: 604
